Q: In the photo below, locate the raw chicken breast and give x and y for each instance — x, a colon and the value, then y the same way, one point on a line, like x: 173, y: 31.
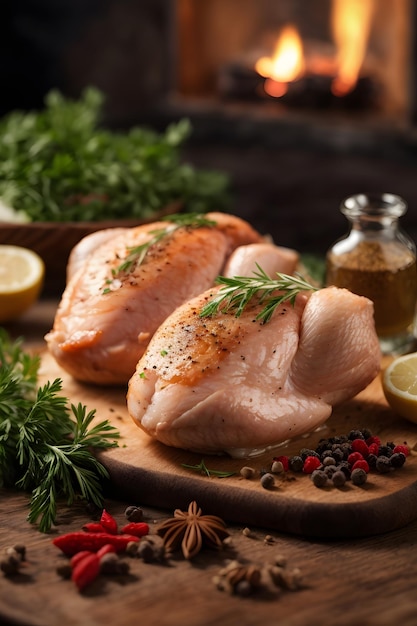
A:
x: 244, y: 260
x: 103, y: 325
x: 234, y: 385
x: 88, y: 245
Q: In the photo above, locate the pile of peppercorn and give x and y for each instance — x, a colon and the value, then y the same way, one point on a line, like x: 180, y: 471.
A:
x: 347, y: 457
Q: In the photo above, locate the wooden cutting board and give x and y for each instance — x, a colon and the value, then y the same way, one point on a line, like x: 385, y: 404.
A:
x: 143, y: 471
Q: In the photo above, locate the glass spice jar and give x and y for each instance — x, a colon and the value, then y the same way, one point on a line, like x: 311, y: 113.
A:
x: 377, y: 259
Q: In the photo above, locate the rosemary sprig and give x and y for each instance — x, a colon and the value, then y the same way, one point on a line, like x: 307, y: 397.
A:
x: 203, y: 469
x: 238, y: 291
x: 45, y: 443
x: 137, y: 254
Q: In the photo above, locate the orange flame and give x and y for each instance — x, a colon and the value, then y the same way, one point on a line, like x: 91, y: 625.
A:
x: 351, y: 25
x: 285, y: 65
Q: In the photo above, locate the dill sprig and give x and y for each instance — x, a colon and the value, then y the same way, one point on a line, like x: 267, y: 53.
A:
x: 137, y: 254
x: 238, y: 291
x: 46, y: 443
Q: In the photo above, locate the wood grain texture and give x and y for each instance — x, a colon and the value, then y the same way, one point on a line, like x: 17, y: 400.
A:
x: 368, y: 581
x: 145, y: 469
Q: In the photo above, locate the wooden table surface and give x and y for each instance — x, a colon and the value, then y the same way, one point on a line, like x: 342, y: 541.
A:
x: 368, y: 581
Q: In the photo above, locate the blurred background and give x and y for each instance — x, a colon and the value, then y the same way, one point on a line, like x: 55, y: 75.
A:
x: 301, y: 103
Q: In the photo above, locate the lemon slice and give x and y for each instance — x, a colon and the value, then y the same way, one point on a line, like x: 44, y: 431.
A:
x: 399, y: 383
x: 21, y: 279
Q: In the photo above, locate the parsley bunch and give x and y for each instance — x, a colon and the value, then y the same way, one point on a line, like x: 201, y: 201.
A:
x: 61, y: 165
x: 45, y: 443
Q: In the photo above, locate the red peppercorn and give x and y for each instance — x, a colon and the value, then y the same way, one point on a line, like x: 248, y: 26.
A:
x: 284, y: 460
x: 353, y: 457
x: 373, y: 439
x: 311, y: 463
x: 359, y: 445
x: 373, y: 448
x: 361, y: 464
x: 402, y: 448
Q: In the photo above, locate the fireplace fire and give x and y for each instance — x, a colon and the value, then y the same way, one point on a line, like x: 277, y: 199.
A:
x: 349, y: 55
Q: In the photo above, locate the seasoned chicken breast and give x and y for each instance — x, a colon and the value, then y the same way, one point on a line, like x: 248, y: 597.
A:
x: 228, y: 384
x: 245, y: 259
x: 108, y: 313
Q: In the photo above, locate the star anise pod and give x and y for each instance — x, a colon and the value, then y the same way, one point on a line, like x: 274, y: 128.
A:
x: 191, y: 530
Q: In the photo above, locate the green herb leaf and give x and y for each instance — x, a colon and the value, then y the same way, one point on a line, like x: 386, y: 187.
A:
x: 237, y: 292
x: 61, y: 165
x: 45, y: 443
x: 203, y: 469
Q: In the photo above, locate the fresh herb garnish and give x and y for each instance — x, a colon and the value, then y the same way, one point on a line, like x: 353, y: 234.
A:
x: 60, y: 164
x: 45, y: 443
x: 238, y: 291
x: 137, y: 254
x: 203, y: 469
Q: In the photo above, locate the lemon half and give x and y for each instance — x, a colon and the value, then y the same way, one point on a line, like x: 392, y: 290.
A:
x: 399, y: 382
x: 21, y: 279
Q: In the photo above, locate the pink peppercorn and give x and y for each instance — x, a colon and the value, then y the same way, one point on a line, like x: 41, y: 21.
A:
x: 353, y: 457
x: 360, y: 445
x: 361, y: 464
x: 311, y: 463
x: 373, y: 448
x: 402, y: 448
x: 372, y: 440
x: 284, y: 460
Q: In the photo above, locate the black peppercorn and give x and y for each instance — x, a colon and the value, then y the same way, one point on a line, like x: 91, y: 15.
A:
x: 134, y: 514
x: 319, y: 478
x: 339, y: 478
x: 296, y: 463
x: 384, y: 451
x: 329, y: 470
x: 359, y: 476
x: 267, y: 481
x: 339, y: 454
x: 305, y: 452
x: 383, y: 464
x: 355, y: 434
x: 397, y: 459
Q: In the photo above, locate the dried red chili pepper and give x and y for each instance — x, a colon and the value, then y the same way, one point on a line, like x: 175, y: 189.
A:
x: 105, y: 550
x: 79, y: 556
x: 86, y: 571
x: 108, y: 522
x: 94, y: 527
x: 138, y: 529
x: 71, y: 543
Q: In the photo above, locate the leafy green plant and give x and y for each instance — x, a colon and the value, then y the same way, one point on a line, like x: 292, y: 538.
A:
x: 46, y: 444
x: 60, y: 165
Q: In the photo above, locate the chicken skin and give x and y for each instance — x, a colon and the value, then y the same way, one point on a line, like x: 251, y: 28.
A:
x: 235, y: 385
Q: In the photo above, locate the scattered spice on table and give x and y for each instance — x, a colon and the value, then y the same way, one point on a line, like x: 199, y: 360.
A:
x: 342, y: 458
x: 191, y: 530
